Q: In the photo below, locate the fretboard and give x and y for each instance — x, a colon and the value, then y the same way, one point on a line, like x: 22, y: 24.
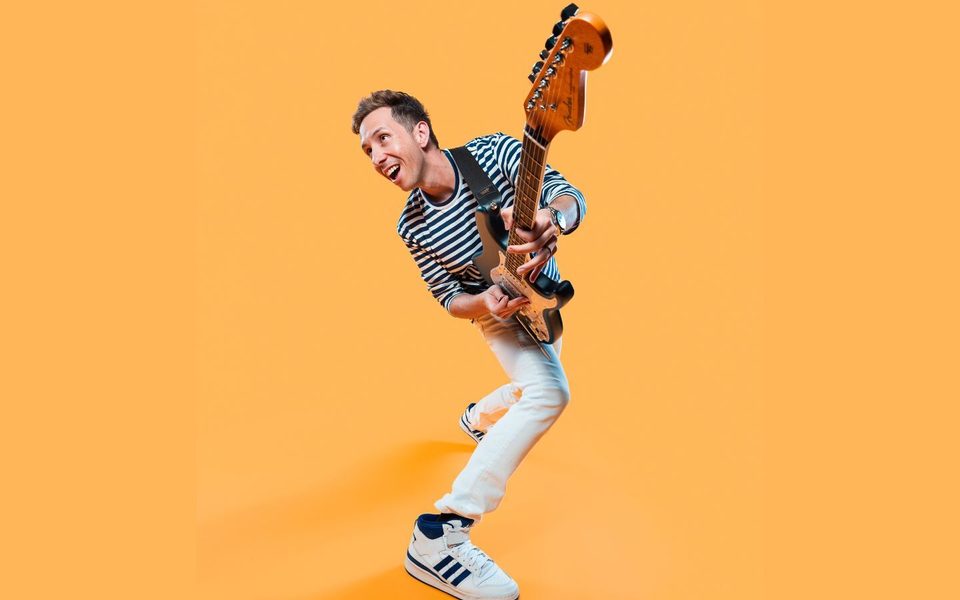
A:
x: 533, y: 161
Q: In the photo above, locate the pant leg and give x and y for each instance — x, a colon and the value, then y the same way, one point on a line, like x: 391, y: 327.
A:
x: 488, y: 410
x: 479, y: 488
x: 494, y: 405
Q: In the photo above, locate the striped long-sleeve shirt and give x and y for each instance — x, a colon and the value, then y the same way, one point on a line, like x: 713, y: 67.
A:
x: 443, y: 237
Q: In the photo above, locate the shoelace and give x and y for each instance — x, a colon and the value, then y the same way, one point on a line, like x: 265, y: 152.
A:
x: 473, y: 558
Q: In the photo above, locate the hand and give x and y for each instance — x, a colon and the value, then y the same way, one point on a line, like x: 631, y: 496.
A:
x: 499, y: 304
x: 542, y: 239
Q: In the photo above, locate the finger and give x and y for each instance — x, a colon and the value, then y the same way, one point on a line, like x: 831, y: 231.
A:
x: 507, y: 215
x: 498, y: 303
x: 551, y: 247
x: 527, y: 235
x: 518, y: 302
x: 539, y: 259
x: 535, y: 272
x: 507, y: 313
x: 549, y: 235
x: 513, y: 306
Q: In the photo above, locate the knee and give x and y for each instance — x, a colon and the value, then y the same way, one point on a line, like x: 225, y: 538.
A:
x: 555, y: 396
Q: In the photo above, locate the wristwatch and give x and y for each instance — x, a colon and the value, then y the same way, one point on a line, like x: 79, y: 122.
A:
x: 558, y: 219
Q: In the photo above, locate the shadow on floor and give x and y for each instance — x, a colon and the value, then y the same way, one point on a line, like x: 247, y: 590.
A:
x: 393, y: 584
x: 396, y: 478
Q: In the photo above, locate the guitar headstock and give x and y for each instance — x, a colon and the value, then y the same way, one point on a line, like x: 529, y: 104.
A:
x: 581, y: 42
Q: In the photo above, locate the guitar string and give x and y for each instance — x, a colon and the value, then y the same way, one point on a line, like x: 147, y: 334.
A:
x: 535, y: 182
x: 527, y: 191
x: 527, y: 187
x: 527, y: 151
x: 539, y: 120
x: 538, y: 155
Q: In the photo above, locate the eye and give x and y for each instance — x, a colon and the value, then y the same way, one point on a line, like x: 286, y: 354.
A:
x: 383, y: 135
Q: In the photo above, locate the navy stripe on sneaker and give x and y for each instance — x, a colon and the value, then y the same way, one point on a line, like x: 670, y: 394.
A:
x: 425, y: 568
x: 466, y: 424
x: 451, y: 570
x: 446, y: 561
x: 476, y: 434
x: 460, y: 578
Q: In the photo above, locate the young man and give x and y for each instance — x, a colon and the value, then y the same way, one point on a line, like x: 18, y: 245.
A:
x: 438, y: 227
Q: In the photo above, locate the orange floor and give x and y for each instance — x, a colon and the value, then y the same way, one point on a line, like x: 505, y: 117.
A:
x: 641, y: 490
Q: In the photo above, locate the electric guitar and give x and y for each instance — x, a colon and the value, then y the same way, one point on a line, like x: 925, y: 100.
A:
x: 581, y: 42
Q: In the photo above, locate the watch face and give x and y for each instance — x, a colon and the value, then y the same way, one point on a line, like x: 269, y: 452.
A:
x: 560, y: 220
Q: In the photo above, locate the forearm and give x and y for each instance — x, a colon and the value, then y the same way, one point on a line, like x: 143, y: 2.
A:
x: 467, y: 306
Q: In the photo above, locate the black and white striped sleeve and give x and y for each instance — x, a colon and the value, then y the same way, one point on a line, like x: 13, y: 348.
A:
x: 508, y: 150
x: 444, y: 286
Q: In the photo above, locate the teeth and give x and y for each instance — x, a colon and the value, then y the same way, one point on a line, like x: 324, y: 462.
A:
x: 392, y: 173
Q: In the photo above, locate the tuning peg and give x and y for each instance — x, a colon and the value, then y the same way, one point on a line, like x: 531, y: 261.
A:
x: 569, y: 11
x: 557, y: 28
x: 544, y: 54
x: 531, y: 77
x: 551, y: 42
x: 538, y: 66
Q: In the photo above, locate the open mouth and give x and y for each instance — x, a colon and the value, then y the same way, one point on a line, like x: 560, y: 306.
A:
x: 394, y: 172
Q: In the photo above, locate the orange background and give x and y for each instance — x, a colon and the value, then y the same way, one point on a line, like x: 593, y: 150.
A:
x: 332, y: 381
x: 212, y: 321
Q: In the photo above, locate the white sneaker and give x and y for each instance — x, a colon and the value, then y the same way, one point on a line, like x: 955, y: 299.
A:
x: 476, y: 434
x: 441, y: 555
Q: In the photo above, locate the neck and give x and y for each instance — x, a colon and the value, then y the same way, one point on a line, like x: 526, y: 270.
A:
x: 438, y: 176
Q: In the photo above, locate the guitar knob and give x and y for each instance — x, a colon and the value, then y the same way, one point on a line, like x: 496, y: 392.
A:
x: 531, y: 77
x: 558, y: 28
x: 551, y: 42
x: 538, y: 66
x: 569, y: 11
x: 544, y: 54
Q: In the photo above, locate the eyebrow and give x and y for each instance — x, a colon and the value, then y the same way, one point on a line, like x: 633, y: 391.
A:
x: 363, y: 144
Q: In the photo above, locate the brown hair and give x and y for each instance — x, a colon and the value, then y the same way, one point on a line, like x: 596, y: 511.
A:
x: 405, y: 109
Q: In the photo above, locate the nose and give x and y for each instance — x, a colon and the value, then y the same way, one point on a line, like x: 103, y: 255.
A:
x: 377, y: 157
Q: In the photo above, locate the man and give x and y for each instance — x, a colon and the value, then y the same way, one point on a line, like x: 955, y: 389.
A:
x: 438, y: 227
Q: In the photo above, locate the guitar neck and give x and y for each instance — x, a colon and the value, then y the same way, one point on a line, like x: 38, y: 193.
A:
x: 533, y: 161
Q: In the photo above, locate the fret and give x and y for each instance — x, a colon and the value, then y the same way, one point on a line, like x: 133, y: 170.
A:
x: 528, y: 136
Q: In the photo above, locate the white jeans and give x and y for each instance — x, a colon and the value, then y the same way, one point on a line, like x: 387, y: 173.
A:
x: 514, y: 417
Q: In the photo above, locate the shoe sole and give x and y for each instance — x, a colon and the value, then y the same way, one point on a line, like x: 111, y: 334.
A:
x: 427, y: 577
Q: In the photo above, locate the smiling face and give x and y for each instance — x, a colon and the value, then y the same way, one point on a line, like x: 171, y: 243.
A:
x: 395, y: 152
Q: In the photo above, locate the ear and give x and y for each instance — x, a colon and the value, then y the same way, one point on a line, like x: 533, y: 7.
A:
x: 421, y: 133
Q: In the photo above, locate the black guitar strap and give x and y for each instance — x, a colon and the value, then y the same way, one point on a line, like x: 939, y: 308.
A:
x: 487, y: 195
x: 489, y: 201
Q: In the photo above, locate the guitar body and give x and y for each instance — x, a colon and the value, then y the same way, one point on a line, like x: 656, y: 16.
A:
x: 541, y: 318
